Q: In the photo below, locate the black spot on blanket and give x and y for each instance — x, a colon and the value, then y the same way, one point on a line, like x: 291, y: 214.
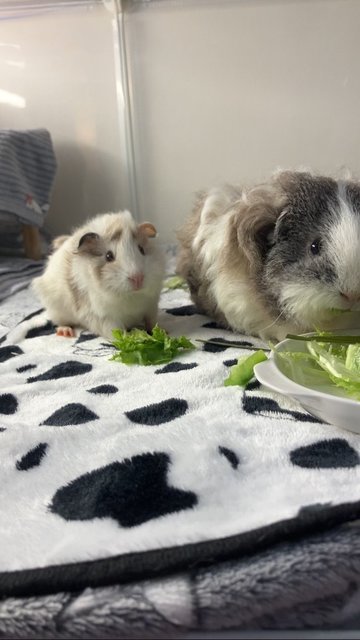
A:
x: 104, y: 388
x: 2, y: 339
x: 225, y: 344
x: 26, y: 367
x: 230, y: 456
x: 186, y: 310
x: 212, y: 325
x: 131, y: 492
x: 32, y: 458
x: 70, y: 414
x: 32, y: 315
x: 158, y: 413
x: 63, y: 370
x: 44, y: 330
x: 256, y: 404
x: 10, y: 351
x: 2, y: 429
x: 253, y: 384
x: 84, y: 337
x: 326, y: 454
x: 230, y: 363
x: 173, y: 367
x: 8, y: 404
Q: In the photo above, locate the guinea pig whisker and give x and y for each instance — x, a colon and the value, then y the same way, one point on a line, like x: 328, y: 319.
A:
x: 274, y: 322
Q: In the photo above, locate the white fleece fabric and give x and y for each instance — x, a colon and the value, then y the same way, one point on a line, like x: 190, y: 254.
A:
x: 101, y: 459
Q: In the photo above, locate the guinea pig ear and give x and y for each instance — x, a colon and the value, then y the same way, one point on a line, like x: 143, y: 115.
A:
x: 89, y: 243
x: 148, y: 229
x: 254, y: 236
x: 255, y: 224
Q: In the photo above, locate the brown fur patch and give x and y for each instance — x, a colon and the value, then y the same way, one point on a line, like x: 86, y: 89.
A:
x: 186, y: 235
x: 114, y: 229
x: 116, y: 235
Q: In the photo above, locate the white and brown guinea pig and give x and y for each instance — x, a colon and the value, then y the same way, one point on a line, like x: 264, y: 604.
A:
x: 108, y: 274
x: 276, y: 258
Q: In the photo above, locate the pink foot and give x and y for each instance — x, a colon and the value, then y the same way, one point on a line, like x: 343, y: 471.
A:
x: 66, y: 332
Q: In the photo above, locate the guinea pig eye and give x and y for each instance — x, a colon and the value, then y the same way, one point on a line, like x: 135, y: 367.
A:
x: 110, y: 256
x: 315, y: 247
x: 141, y: 250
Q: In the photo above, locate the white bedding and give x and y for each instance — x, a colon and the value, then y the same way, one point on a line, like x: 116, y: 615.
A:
x: 101, y: 460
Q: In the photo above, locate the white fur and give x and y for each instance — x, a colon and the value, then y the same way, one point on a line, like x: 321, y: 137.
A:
x: 344, y: 245
x: 111, y: 302
x: 211, y: 232
x: 214, y: 219
x: 243, y: 310
x: 310, y: 302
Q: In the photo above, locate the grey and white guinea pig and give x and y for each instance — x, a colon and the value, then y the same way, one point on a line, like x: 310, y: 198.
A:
x: 277, y: 258
x: 108, y: 274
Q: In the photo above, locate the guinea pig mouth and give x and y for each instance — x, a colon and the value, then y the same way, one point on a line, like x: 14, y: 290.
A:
x: 311, y: 305
x: 349, y: 302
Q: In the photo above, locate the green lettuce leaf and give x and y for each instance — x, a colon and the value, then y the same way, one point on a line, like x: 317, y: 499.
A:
x: 242, y: 372
x: 139, y: 347
x: 175, y: 282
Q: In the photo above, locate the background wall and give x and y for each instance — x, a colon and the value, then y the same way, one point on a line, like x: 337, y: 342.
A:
x: 220, y: 91
x: 228, y: 91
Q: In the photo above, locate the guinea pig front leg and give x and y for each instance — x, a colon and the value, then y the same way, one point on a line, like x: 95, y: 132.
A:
x: 149, y: 322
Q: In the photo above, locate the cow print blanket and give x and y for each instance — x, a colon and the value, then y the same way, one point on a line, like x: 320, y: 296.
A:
x: 112, y: 472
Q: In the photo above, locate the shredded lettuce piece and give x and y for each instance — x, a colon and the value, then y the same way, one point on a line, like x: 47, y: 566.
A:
x: 329, y: 358
x: 175, y: 282
x: 334, y: 363
x: 352, y: 359
x: 242, y: 372
x: 139, y: 347
x: 338, y: 312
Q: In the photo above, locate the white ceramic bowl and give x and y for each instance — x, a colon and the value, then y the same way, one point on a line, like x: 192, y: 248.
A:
x: 323, y: 400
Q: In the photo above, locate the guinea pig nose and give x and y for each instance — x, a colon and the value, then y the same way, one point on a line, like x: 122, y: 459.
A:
x: 137, y: 280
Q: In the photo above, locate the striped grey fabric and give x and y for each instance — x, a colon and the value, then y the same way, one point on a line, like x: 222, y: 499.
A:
x: 27, y: 172
x: 17, y: 274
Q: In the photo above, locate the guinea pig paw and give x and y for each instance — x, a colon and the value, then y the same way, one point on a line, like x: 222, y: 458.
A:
x: 65, y: 332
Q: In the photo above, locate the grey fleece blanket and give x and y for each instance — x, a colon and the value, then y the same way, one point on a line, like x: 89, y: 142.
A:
x: 308, y: 584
